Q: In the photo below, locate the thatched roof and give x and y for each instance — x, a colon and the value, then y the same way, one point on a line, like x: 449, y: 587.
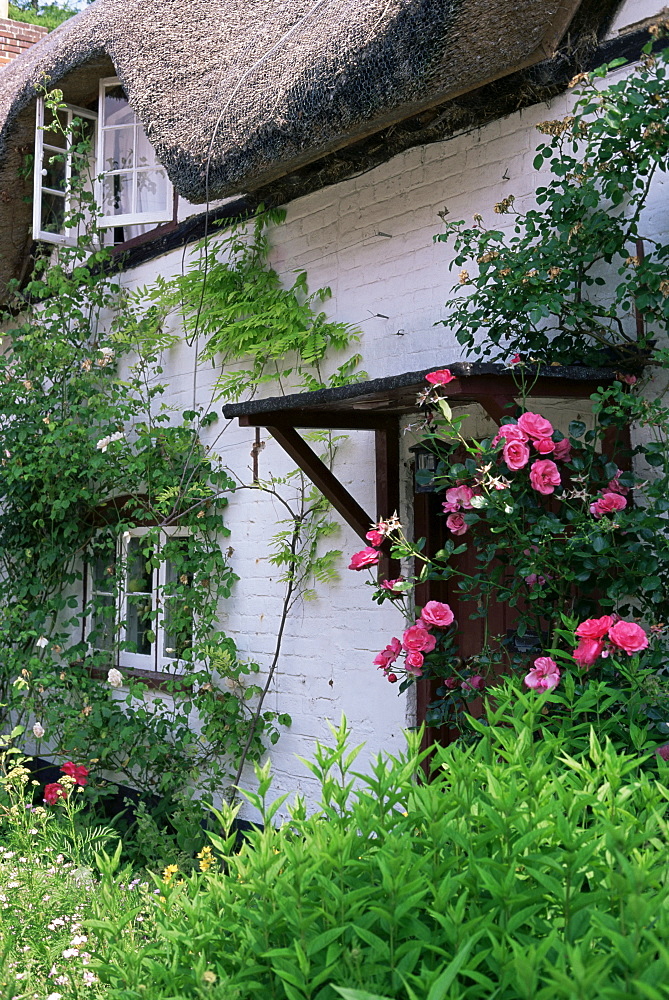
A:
x: 239, y: 92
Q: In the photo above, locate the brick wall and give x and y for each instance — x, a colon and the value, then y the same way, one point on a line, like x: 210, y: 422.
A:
x: 16, y: 37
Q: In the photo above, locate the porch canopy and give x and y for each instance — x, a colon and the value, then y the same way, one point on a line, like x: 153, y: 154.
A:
x: 378, y: 405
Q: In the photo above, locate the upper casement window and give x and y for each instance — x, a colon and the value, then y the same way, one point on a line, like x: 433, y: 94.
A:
x: 130, y: 187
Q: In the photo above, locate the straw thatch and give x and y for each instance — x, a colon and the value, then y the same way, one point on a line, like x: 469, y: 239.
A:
x: 235, y: 93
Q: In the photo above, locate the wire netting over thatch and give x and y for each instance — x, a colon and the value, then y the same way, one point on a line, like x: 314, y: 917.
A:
x: 267, y: 86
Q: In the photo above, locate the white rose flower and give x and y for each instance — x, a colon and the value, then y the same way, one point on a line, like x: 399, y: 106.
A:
x: 38, y: 730
x: 115, y: 678
x: 42, y: 642
x: 104, y: 442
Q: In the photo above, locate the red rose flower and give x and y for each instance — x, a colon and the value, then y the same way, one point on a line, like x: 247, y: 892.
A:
x: 437, y: 614
x: 607, y: 504
x: 595, y: 628
x: 76, y: 771
x: 53, y: 792
x: 544, y: 476
x: 562, y: 450
x: 418, y: 640
x: 587, y: 652
x: 441, y: 377
x: 367, y: 557
x: 628, y: 636
x: 535, y: 426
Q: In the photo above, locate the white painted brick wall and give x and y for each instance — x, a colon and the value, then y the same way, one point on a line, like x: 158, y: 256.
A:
x: 326, y: 665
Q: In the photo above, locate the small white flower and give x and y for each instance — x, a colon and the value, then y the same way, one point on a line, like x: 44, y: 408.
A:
x: 78, y: 940
x: 42, y: 642
x: 54, y: 996
x: 115, y: 678
x: 70, y: 953
x: 508, y: 509
x: 38, y: 730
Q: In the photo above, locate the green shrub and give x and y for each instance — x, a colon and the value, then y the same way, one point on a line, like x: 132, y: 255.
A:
x: 519, y: 871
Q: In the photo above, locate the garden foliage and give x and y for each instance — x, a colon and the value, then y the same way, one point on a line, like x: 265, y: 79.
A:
x: 563, y: 282
x: 525, y: 870
x: 91, y: 449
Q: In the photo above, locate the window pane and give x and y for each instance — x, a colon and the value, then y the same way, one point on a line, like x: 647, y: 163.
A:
x: 117, y: 152
x: 103, y: 623
x: 53, y: 213
x: 139, y: 623
x: 146, y: 154
x: 139, y: 569
x: 104, y: 571
x: 54, y: 129
x: 53, y: 170
x: 117, y: 194
x: 115, y: 107
x: 152, y: 190
x: 83, y: 135
x: 178, y: 616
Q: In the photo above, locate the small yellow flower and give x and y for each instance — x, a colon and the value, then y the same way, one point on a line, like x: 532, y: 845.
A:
x: 169, y: 873
x: 206, y: 859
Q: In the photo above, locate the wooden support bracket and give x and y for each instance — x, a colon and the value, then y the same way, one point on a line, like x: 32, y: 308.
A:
x: 307, y: 460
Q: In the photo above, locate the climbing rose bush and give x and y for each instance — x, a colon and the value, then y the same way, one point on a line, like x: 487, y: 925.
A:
x: 541, y: 519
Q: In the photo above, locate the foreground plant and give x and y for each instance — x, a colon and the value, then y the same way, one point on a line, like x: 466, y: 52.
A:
x: 520, y: 871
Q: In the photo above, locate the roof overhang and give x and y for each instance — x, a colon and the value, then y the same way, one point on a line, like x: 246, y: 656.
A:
x: 377, y: 405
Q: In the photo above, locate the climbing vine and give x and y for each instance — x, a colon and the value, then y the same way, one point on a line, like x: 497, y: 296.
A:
x: 112, y: 521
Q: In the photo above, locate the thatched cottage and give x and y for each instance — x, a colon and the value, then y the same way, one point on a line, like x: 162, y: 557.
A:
x: 363, y: 119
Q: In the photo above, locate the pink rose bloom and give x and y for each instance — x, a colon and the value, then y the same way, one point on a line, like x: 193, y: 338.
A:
x: 414, y: 663
x: 389, y: 654
x: 391, y: 584
x: 588, y: 651
x: 516, y: 454
x: 535, y: 426
x: 544, y: 675
x: 392, y: 678
x: 418, y: 640
x: 607, y: 504
x: 535, y: 581
x: 545, y: 446
x: 451, y: 683
x: 516, y: 359
x: 441, y: 377
x: 544, y: 476
x: 562, y: 450
x: 374, y: 537
x: 457, y: 524
x: 615, y: 486
x: 421, y: 624
x: 367, y: 557
x: 628, y: 379
x: 437, y: 614
x: 595, y: 628
x: 475, y: 683
x: 510, y: 432
x: 456, y: 497
x: 629, y: 637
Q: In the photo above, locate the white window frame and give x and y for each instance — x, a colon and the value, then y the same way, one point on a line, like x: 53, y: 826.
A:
x: 41, y: 146
x: 69, y: 236
x: 133, y: 218
x: 157, y: 661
